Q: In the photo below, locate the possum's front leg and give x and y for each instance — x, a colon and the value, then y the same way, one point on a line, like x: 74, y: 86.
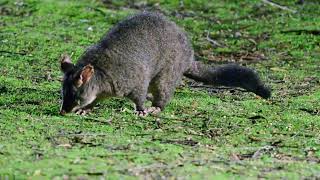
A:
x: 86, y: 110
x: 83, y: 112
x: 139, y: 96
x: 151, y: 110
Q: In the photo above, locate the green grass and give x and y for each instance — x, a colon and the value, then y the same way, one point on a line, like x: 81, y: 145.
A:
x: 203, y: 132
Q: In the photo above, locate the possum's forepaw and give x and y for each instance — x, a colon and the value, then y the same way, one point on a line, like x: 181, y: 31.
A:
x: 150, y: 110
x: 141, y: 113
x: 83, y: 112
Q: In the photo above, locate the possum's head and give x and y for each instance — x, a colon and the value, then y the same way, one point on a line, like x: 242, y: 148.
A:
x: 75, y: 84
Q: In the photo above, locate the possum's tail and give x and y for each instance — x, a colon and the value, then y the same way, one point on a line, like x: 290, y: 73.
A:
x: 228, y: 75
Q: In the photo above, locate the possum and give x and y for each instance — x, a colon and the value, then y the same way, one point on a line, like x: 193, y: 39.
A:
x: 145, y: 53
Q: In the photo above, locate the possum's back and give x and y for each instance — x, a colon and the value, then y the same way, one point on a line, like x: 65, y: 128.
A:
x: 139, y: 49
x: 147, y: 38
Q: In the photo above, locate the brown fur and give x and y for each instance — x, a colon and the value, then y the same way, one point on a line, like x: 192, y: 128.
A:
x: 144, y: 53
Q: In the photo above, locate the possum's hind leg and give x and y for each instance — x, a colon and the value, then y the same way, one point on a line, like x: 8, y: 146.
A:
x: 162, y: 89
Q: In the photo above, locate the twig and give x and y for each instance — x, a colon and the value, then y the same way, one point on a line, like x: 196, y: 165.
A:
x: 213, y: 42
x: 17, y: 53
x: 85, y: 134
x: 100, y: 11
x: 109, y: 121
x: 295, y: 134
x: 278, y: 6
x: 262, y: 150
x: 217, y: 88
x: 149, y: 168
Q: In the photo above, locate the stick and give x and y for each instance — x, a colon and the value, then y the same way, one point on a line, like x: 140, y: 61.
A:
x: 218, y: 88
x: 278, y: 6
x: 17, y: 53
x: 262, y: 150
x: 213, y: 42
x: 84, y: 134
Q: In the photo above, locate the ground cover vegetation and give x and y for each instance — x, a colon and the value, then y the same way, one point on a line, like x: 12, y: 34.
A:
x: 204, y: 132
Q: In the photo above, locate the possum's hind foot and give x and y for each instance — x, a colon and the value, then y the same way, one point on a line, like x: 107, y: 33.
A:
x: 153, y: 110
x: 150, y: 110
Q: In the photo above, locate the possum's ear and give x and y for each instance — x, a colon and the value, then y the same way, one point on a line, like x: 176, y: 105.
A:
x: 85, y: 75
x: 66, y: 64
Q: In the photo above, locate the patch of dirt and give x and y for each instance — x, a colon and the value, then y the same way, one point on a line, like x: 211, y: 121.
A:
x: 132, y: 4
x: 253, y: 154
x: 153, y: 171
x: 214, y: 90
x: 298, y: 88
x: 215, y: 132
x: 68, y: 140
x: 288, y: 158
x: 248, y: 54
x: 19, y: 8
x: 186, y: 142
x: 227, y: 57
x: 119, y: 148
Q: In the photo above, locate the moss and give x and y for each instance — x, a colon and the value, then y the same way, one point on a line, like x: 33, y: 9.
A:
x: 203, y: 133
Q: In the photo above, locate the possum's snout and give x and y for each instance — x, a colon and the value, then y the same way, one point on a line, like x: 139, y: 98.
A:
x: 62, y: 112
x: 66, y: 108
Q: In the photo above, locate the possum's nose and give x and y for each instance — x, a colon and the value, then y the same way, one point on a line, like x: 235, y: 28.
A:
x: 62, y: 112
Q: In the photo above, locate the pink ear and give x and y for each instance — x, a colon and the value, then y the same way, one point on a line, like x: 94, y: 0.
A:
x: 86, y: 74
x: 66, y: 64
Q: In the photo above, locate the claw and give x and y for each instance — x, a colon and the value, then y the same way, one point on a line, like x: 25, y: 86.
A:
x: 153, y: 110
x: 82, y: 112
x: 142, y: 113
x: 150, y: 110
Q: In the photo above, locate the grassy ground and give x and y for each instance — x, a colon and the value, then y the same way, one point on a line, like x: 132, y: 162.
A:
x: 205, y: 132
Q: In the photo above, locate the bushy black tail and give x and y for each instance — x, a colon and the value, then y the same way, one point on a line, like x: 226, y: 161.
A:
x: 228, y: 75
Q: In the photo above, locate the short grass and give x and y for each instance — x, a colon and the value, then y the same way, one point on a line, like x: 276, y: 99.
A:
x: 204, y: 132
